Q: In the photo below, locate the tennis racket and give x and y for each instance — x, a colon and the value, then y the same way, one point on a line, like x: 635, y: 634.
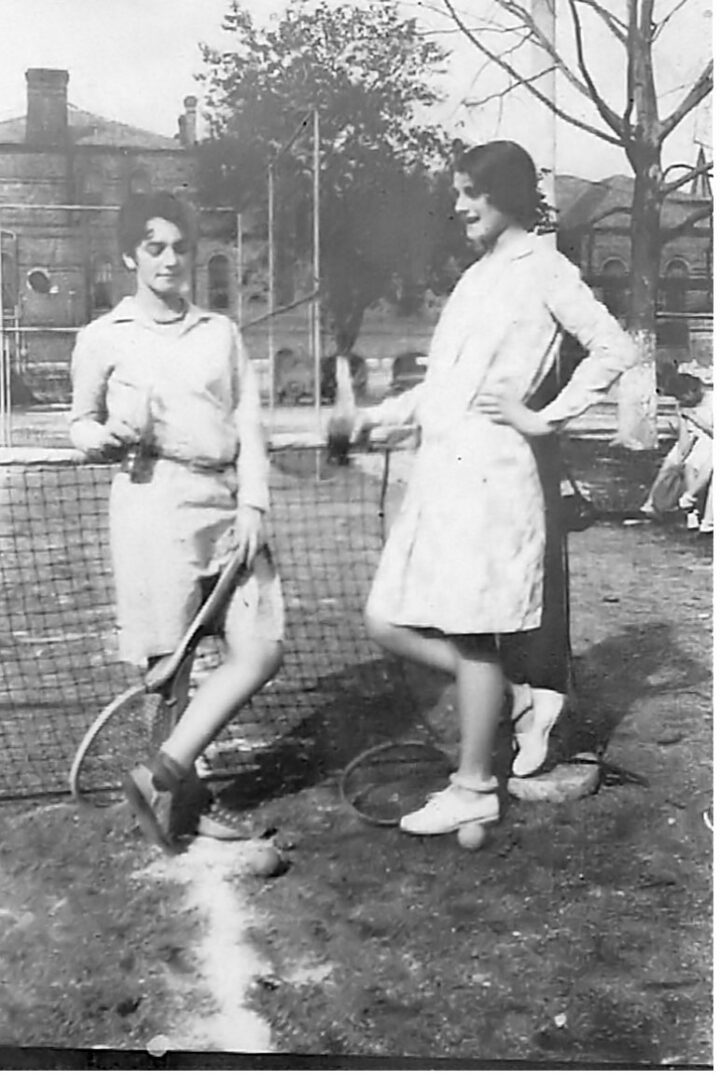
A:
x: 130, y: 729
x: 387, y: 781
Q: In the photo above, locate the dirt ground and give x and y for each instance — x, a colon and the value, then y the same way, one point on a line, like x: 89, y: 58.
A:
x: 580, y: 936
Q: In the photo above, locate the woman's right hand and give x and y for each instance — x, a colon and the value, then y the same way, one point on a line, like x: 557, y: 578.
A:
x: 103, y: 440
x: 363, y: 423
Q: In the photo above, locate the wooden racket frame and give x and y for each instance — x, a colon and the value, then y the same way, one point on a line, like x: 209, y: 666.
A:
x: 162, y: 677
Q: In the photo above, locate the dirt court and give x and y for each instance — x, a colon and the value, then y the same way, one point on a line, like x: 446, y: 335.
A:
x: 580, y: 936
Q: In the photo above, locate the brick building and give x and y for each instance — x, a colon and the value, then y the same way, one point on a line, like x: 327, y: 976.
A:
x: 594, y: 230
x: 63, y: 173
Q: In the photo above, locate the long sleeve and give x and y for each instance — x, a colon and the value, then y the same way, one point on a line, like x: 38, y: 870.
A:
x: 89, y: 372
x: 610, y: 349
x: 253, y: 465
x: 398, y: 410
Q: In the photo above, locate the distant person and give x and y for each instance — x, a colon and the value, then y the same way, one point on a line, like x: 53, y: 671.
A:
x: 160, y: 367
x: 465, y: 562
x: 685, y: 478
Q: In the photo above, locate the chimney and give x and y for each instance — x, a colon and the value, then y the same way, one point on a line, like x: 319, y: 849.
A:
x: 46, y: 123
x: 189, y: 128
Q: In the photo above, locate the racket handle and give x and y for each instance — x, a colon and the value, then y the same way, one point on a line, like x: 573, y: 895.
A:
x: 164, y: 671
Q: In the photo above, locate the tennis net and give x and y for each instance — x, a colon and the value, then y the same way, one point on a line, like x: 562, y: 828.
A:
x: 58, y: 651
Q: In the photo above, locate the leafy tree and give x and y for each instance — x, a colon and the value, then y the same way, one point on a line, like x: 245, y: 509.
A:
x: 368, y: 72
x: 629, y: 118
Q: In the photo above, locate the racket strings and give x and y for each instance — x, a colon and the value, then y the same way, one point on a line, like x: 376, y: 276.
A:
x: 387, y: 781
x: 129, y: 735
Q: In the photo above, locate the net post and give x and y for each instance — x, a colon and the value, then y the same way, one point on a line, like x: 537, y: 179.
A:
x: 317, y: 345
x: 271, y: 291
x: 5, y: 403
x: 239, y: 269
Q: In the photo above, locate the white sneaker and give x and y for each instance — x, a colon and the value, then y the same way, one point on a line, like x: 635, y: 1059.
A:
x: 692, y: 521
x: 447, y: 810
x: 533, y: 741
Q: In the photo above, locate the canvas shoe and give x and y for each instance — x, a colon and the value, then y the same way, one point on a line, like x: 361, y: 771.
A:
x: 152, y: 808
x: 220, y: 823
x: 447, y: 810
x: 532, y: 743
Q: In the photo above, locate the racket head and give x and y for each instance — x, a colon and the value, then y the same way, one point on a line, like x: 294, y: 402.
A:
x: 394, y: 778
x: 125, y: 734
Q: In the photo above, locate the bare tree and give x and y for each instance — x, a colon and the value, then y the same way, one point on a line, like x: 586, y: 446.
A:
x: 633, y: 124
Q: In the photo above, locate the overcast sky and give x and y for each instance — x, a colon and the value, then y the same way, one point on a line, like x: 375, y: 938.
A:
x: 134, y: 61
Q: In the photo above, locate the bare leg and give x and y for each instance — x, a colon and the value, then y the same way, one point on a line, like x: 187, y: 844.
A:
x: 217, y: 700
x: 480, y: 690
x: 422, y: 646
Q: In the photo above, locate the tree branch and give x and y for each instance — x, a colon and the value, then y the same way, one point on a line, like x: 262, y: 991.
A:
x: 610, y: 117
x: 659, y: 27
x: 630, y: 72
x: 610, y: 20
x: 514, y: 74
x: 516, y: 8
x: 700, y: 214
x: 508, y: 89
x: 695, y: 95
x: 691, y: 174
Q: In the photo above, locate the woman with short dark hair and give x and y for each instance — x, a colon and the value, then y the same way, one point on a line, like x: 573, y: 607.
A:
x: 464, y: 565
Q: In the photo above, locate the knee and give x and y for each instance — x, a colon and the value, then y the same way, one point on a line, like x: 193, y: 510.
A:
x: 262, y: 657
x: 378, y: 629
x: 274, y: 653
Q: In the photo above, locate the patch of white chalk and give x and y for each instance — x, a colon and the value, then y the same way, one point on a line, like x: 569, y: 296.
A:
x: 227, y: 963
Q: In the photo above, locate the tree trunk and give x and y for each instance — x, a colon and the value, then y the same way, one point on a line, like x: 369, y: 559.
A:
x: 637, y: 398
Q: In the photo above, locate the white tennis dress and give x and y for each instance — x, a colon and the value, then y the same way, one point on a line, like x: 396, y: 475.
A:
x: 173, y: 531
x: 465, y: 554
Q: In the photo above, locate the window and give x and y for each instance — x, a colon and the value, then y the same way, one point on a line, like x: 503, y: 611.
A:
x: 92, y: 187
x: 9, y: 282
x: 139, y: 181
x: 219, y: 283
x: 102, y: 274
x: 675, y: 285
x: 614, y: 285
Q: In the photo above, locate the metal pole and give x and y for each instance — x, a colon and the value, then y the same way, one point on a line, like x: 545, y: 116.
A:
x: 271, y: 292
x: 545, y: 127
x: 239, y: 269
x: 317, y: 344
x: 4, y: 359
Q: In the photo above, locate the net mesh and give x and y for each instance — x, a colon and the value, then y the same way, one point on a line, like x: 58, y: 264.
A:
x: 58, y: 653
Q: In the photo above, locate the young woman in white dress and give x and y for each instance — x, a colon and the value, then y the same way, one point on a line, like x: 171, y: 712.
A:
x: 463, y: 567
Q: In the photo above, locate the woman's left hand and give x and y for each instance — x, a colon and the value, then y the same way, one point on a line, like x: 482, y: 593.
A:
x: 509, y: 409
x: 248, y: 532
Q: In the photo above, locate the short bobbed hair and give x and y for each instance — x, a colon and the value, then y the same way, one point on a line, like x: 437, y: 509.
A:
x: 687, y: 389
x: 139, y: 209
x: 506, y: 174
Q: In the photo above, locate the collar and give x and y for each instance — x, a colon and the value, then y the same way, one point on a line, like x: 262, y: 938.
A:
x: 128, y: 310
x: 513, y: 245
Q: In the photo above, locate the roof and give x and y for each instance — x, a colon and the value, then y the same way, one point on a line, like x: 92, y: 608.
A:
x: 89, y: 129
x: 601, y: 202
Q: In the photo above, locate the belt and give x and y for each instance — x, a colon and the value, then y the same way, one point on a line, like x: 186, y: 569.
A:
x: 140, y: 463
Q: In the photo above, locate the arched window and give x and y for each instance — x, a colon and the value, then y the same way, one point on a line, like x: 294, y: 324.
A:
x: 139, y: 181
x: 9, y: 282
x: 102, y: 275
x: 219, y: 283
x: 614, y: 285
x: 675, y: 285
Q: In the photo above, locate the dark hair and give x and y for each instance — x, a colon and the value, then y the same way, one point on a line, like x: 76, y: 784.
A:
x: 686, y: 388
x: 506, y: 173
x: 141, y: 208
